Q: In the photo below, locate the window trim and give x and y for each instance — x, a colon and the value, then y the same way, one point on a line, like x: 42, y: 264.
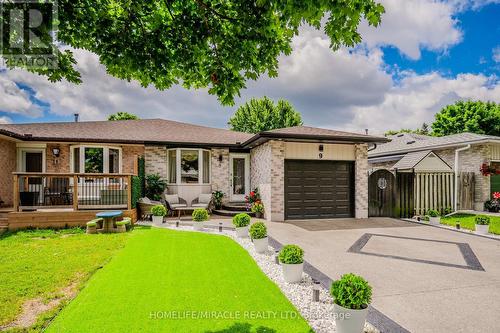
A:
x: 200, y: 166
x: 105, y: 163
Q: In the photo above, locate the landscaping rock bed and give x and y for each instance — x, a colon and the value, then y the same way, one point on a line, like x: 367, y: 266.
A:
x: 319, y: 315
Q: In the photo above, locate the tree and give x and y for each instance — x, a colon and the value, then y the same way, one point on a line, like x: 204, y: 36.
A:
x: 424, y: 130
x: 218, y: 44
x: 262, y: 114
x: 468, y: 116
x: 122, y: 116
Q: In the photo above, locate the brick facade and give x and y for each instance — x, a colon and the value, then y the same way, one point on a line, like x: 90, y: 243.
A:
x: 59, y: 164
x: 219, y: 177
x: 130, y: 155
x: 8, y: 166
x: 361, y: 181
x: 156, y: 160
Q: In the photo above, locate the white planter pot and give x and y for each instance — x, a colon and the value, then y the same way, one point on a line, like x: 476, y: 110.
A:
x: 157, y: 220
x: 242, y: 232
x: 261, y: 245
x: 435, y: 220
x: 198, y: 225
x: 292, y: 272
x: 348, y: 320
x: 482, y: 229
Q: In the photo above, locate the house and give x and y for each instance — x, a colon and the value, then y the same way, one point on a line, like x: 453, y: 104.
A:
x: 67, y: 171
x: 437, y: 172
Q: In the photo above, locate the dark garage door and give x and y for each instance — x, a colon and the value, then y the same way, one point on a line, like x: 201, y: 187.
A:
x: 319, y: 189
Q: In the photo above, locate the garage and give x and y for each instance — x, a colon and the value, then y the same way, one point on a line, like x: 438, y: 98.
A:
x: 319, y: 189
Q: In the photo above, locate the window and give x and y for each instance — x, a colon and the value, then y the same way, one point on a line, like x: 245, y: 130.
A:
x: 93, y: 159
x: 188, y: 166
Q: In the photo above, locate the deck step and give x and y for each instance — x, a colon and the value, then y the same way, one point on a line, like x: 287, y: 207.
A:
x: 235, y: 206
x: 225, y: 212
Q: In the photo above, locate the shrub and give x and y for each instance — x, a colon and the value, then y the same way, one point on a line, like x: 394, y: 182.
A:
x: 258, y: 207
x: 136, y: 190
x: 200, y: 215
x: 448, y: 210
x: 351, y: 292
x: 258, y: 230
x: 425, y: 218
x: 241, y: 220
x: 217, y: 195
x: 291, y: 254
x: 159, y: 210
x: 155, y: 186
x: 433, y: 213
x: 482, y: 220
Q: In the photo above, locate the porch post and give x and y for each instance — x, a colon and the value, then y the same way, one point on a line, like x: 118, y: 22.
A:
x: 16, y: 193
x: 75, y: 192
x: 129, y: 192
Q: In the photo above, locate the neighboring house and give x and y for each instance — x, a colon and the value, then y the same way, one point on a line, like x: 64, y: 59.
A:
x: 432, y: 162
x: 301, y: 172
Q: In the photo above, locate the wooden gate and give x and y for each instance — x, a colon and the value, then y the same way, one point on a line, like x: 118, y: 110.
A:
x: 381, y: 189
x: 466, y: 185
x: 433, y: 190
x: 405, y: 203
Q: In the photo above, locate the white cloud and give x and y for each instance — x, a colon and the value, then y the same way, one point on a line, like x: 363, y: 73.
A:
x: 496, y: 54
x: 412, y: 25
x: 418, y: 97
x: 462, y: 5
x: 15, y: 100
x: 5, y: 120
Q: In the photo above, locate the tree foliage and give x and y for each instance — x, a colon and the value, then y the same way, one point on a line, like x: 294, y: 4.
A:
x: 263, y: 114
x: 122, y: 116
x: 424, y: 130
x: 217, y: 44
x: 468, y: 116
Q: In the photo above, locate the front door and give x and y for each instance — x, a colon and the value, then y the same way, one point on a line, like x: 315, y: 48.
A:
x: 32, y: 160
x: 239, y: 165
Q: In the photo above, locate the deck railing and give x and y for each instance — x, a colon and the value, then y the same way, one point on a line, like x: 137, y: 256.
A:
x: 77, y: 191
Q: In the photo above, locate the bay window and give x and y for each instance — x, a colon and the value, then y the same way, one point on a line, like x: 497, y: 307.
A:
x: 188, y: 166
x: 95, y: 159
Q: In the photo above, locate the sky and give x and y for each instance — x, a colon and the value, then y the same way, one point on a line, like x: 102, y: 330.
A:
x: 425, y: 54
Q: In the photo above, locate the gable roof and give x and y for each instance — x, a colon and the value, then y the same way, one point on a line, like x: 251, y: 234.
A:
x: 411, y: 159
x: 409, y: 142
x: 169, y: 132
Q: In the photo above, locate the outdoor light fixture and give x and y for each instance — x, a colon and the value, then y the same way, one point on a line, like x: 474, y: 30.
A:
x: 276, y: 257
x: 457, y: 225
x: 316, y: 287
x: 220, y: 226
x: 220, y: 158
x: 56, y: 151
x: 321, y: 147
x: 177, y: 223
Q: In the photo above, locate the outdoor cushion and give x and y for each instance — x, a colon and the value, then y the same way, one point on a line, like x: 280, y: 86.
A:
x: 174, y: 206
x: 93, y: 223
x: 172, y: 199
x: 145, y: 200
x: 204, y: 198
x: 125, y: 221
x: 202, y: 205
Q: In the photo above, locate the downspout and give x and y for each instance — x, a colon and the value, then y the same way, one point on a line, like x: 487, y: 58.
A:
x: 455, y: 204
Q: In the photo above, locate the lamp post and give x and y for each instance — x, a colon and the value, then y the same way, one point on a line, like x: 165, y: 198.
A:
x: 315, y: 294
x: 276, y: 257
x: 220, y: 226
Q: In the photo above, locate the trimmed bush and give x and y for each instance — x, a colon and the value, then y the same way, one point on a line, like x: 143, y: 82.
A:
x: 200, y: 215
x: 433, y: 213
x: 241, y: 220
x: 159, y: 210
x: 482, y: 220
x: 351, y: 292
x: 258, y: 207
x: 258, y: 230
x: 291, y: 254
x: 136, y: 190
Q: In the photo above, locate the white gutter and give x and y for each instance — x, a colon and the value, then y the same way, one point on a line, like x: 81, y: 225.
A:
x: 455, y: 204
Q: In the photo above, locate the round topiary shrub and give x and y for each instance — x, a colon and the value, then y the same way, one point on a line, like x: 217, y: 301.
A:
x: 241, y: 220
x: 159, y: 210
x: 291, y: 254
x: 482, y: 220
x: 433, y: 213
x: 200, y: 215
x: 258, y: 230
x: 351, y: 292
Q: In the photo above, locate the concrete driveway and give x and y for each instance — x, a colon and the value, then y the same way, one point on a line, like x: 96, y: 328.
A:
x: 424, y: 278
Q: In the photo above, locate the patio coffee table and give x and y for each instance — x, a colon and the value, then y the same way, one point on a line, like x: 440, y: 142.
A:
x: 182, y: 209
x: 108, y: 220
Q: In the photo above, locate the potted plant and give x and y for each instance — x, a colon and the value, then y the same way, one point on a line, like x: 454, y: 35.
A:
x: 200, y: 215
x: 241, y: 221
x: 351, y: 296
x: 482, y: 224
x: 258, y: 209
x: 252, y: 197
x: 493, y: 205
x: 291, y: 258
x: 155, y: 186
x: 258, y: 232
x: 434, y: 217
x: 158, y: 211
x: 217, y: 196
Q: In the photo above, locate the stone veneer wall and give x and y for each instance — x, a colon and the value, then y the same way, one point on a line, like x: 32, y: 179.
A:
x: 7, y: 165
x: 156, y: 160
x: 260, y: 174
x: 219, y: 177
x: 361, y: 181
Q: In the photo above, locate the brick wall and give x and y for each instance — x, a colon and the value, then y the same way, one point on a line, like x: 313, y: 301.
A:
x: 220, y: 171
x: 130, y: 154
x: 361, y: 181
x: 59, y: 164
x: 7, y: 165
x: 156, y: 160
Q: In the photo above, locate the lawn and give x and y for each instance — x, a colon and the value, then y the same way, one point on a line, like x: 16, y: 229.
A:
x: 467, y: 221
x: 174, y: 281
x: 41, y: 263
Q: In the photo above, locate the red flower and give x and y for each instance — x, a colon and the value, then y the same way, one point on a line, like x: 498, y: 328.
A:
x: 252, y: 194
x: 496, y: 195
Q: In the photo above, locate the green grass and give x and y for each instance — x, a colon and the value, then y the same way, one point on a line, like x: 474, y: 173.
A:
x: 467, y: 221
x: 164, y: 272
x: 39, y: 263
